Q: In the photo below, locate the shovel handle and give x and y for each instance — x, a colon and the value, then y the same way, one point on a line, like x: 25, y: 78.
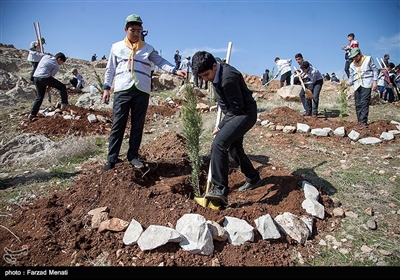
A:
x: 306, y: 90
x: 219, y: 113
x: 301, y: 80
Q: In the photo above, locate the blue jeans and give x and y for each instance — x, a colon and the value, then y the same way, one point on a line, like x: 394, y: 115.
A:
x: 388, y: 95
x: 381, y: 89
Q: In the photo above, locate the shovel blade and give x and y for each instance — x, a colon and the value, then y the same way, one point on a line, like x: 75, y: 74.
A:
x: 202, y: 201
x: 214, y: 205
x: 207, y: 203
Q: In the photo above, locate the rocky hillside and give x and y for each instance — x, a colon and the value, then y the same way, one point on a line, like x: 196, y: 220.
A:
x: 15, y: 70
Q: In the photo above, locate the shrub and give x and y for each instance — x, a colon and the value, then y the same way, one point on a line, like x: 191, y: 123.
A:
x: 192, y: 128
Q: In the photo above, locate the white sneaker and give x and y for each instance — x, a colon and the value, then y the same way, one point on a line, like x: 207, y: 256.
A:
x: 63, y: 106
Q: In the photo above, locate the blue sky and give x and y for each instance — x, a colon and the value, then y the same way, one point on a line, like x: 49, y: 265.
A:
x: 259, y: 30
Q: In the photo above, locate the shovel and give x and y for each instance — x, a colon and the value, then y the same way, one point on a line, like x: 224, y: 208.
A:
x: 268, y: 82
x: 38, y: 35
x: 202, y: 200
x: 308, y: 93
x: 36, y: 26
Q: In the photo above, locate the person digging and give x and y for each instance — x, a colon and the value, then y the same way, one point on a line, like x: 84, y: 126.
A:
x: 240, y: 114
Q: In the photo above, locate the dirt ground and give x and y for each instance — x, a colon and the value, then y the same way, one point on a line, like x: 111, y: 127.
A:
x: 56, y: 230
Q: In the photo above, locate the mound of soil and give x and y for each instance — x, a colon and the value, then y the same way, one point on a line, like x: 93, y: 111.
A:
x: 57, y: 229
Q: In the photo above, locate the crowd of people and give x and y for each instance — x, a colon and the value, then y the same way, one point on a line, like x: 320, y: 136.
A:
x: 362, y: 73
x: 129, y: 71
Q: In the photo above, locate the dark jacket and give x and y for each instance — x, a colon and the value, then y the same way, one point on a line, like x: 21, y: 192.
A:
x: 265, y: 78
x: 177, y: 58
x: 233, y: 95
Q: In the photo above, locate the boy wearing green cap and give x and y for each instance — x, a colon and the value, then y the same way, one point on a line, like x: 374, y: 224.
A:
x: 128, y: 70
x: 363, y: 77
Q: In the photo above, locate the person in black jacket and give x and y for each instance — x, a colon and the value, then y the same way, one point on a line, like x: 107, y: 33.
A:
x: 334, y: 78
x: 265, y: 77
x: 240, y: 114
x: 177, y: 59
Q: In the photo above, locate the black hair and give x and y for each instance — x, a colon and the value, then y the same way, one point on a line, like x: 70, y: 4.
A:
x: 352, y: 35
x: 266, y: 70
x: 132, y: 23
x: 276, y: 58
x: 61, y: 56
x: 391, y: 65
x: 298, y: 55
x: 202, y: 61
x: 305, y: 64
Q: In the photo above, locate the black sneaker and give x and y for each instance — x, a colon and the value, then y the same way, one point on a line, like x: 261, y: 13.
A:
x: 108, y: 166
x: 248, y: 186
x: 136, y: 163
x: 216, y: 195
x: 31, y: 117
x: 111, y: 165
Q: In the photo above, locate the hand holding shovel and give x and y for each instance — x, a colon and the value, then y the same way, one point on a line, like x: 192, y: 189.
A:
x: 308, y: 93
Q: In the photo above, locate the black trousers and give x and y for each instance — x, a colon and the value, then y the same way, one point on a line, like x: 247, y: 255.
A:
x: 34, y: 66
x: 131, y: 102
x: 362, y: 99
x: 311, y: 105
x: 347, y: 66
x: 229, y: 141
x: 74, y: 82
x: 41, y: 85
x: 196, y: 79
x: 285, y: 77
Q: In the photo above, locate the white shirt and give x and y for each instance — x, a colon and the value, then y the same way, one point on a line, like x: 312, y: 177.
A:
x: 81, y: 81
x: 185, y: 65
x: 283, y: 66
x: 35, y: 53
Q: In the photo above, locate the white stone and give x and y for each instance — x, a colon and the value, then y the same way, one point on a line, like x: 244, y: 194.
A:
x: 239, y: 231
x: 156, y: 236
x: 370, y: 140
x: 266, y: 227
x: 302, y: 127
x: 386, y: 136
x: 132, y: 233
x: 293, y: 226
x: 198, y: 238
x: 340, y: 131
x: 353, y: 135
x: 319, y: 132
